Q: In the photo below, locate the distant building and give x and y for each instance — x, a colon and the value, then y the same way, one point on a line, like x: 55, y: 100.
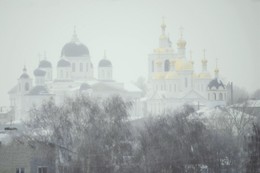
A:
x: 251, y: 107
x: 172, y: 81
x: 21, y: 156
x: 75, y: 76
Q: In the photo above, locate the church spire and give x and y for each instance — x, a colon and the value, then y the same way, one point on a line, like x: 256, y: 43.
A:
x: 216, y: 69
x: 44, y: 55
x: 163, y: 26
x: 204, y: 61
x: 181, y: 44
x: 105, y: 54
x: 74, y: 36
x: 24, y: 69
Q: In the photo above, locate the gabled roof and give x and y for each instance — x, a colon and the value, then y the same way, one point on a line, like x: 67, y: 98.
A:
x: 193, y: 95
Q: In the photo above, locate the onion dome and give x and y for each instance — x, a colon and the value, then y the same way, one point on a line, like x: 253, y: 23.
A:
x: 84, y: 86
x: 104, y: 63
x: 216, y: 83
x: 45, y: 64
x: 204, y: 75
x: 63, y: 63
x: 24, y: 75
x: 74, y: 48
x: 38, y: 90
x: 181, y: 43
x: 181, y: 64
x: 39, y: 72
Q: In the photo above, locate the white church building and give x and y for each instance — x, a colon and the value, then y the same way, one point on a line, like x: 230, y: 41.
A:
x: 172, y: 81
x: 75, y: 76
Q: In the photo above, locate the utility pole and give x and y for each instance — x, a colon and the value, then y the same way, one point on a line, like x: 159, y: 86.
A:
x: 231, y: 93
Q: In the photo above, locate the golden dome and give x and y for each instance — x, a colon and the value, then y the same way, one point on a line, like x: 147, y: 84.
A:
x: 171, y: 75
x: 181, y: 64
x: 163, y: 37
x: 204, y: 61
x: 204, y: 75
x: 159, y: 50
x: 158, y: 75
x: 181, y: 43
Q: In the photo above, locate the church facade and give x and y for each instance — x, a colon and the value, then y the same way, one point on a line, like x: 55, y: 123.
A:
x: 75, y: 76
x: 172, y: 81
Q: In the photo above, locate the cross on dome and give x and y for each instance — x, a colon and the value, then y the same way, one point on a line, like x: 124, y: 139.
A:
x: 181, y: 31
x: 74, y: 36
x: 105, y: 55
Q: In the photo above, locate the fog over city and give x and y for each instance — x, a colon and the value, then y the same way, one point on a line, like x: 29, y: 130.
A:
x: 229, y: 30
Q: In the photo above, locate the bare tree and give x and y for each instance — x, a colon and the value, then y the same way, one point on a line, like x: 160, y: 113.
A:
x: 98, y: 130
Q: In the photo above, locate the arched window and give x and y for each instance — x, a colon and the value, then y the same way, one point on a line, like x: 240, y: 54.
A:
x: 152, y: 66
x: 186, y: 82
x: 215, y: 96
x: 208, y: 96
x: 27, y: 86
x: 220, y: 96
x: 167, y: 65
x: 87, y: 67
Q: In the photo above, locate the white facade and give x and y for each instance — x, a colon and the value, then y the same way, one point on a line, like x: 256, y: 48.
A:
x: 173, y: 82
x: 74, y: 77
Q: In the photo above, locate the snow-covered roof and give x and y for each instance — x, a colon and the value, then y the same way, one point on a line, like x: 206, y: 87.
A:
x: 131, y: 87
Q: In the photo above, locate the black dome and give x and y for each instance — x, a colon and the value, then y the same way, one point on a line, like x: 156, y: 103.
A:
x: 45, y: 64
x: 104, y: 63
x: 74, y: 49
x: 63, y: 63
x: 216, y: 83
x: 24, y: 76
x: 39, y: 72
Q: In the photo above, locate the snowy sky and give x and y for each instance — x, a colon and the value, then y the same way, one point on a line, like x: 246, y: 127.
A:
x: 129, y: 30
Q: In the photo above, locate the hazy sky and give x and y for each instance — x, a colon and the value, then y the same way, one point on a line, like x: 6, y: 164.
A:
x: 129, y: 30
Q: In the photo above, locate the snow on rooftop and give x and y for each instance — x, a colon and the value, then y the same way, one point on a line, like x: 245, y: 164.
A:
x: 131, y: 87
